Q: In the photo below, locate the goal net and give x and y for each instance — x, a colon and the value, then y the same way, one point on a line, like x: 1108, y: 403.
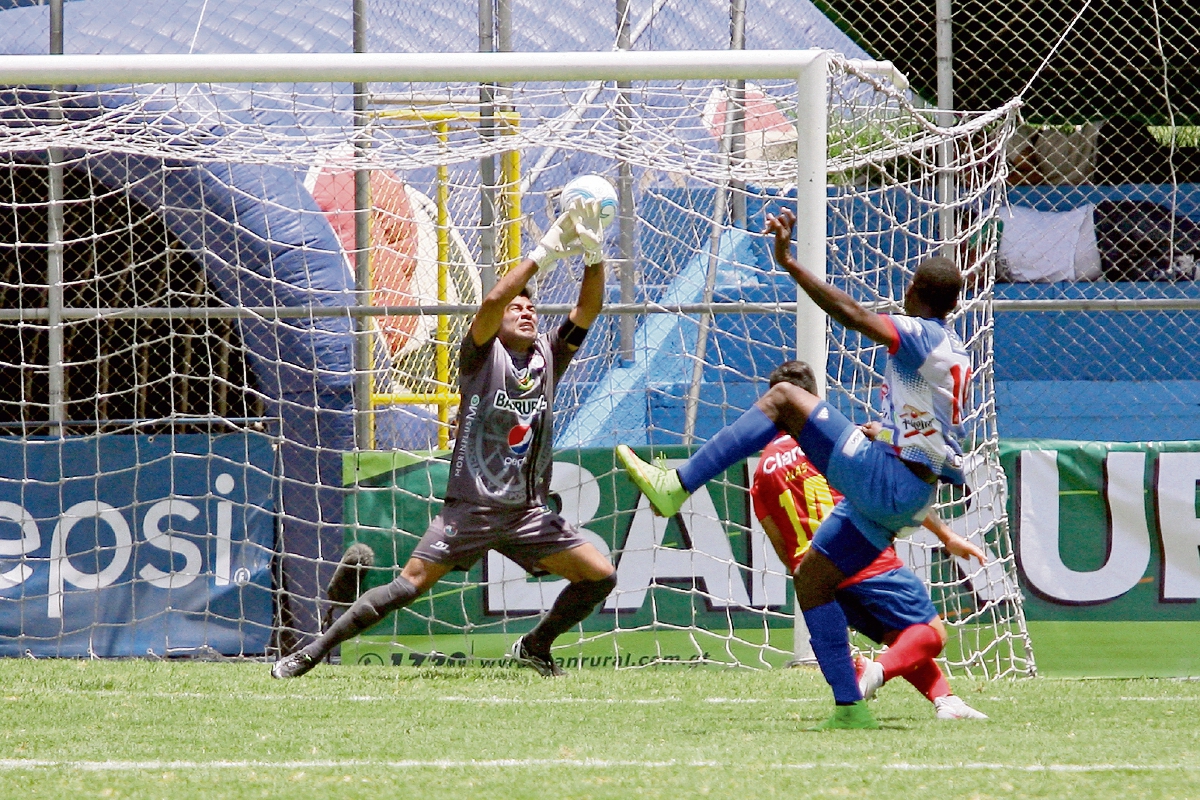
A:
x: 232, y: 315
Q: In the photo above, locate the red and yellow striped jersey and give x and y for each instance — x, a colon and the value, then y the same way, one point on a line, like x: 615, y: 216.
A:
x: 788, y: 489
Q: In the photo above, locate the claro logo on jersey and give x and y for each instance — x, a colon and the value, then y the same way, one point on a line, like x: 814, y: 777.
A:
x: 781, y: 460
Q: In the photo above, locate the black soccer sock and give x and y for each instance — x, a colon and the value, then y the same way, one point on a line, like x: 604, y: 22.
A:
x: 572, y: 607
x: 373, y: 606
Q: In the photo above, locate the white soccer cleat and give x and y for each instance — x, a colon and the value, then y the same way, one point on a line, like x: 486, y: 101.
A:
x: 954, y: 707
x: 871, y: 680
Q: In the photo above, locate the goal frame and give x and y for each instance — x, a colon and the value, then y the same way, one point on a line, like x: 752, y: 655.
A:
x: 808, y: 68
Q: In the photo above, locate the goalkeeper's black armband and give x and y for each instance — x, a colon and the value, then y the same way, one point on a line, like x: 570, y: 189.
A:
x: 572, y: 334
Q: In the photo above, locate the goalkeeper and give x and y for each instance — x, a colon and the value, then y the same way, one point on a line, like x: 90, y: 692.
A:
x: 885, y: 602
x: 500, y: 467
x: 889, y: 482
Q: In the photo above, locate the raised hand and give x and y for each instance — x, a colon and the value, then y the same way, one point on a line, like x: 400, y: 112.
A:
x: 781, y: 226
x: 958, y: 546
x: 561, y: 241
x: 586, y: 216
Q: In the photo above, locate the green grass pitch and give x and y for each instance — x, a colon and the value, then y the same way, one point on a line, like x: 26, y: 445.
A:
x: 178, y: 729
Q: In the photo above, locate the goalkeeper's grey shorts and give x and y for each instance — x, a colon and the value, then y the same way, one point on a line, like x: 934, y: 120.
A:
x: 463, y: 532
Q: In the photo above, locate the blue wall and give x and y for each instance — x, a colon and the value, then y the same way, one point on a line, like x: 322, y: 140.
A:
x: 1099, y: 376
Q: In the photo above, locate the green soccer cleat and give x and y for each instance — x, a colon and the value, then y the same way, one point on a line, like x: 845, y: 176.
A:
x: 856, y: 717
x: 660, y: 485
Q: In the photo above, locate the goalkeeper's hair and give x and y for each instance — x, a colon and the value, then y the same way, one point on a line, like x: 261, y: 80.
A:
x: 796, y: 373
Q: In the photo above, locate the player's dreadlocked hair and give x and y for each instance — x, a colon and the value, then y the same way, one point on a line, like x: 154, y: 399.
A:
x: 794, y: 372
x: 938, y: 282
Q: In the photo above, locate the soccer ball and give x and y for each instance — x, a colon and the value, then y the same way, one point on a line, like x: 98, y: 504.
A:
x: 591, y: 187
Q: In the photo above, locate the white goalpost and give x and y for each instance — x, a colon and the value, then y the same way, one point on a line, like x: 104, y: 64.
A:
x: 234, y: 293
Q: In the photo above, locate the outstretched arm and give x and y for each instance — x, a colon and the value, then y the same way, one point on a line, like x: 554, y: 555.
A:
x: 776, y: 537
x: 954, y: 544
x: 491, y: 311
x: 841, y: 307
x: 591, y: 296
x: 567, y: 236
x: 590, y: 233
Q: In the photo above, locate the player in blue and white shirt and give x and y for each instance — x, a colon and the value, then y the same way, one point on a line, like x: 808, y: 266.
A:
x: 888, y: 481
x: 926, y: 375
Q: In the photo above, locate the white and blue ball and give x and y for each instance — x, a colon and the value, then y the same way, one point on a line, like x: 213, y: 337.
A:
x: 591, y: 187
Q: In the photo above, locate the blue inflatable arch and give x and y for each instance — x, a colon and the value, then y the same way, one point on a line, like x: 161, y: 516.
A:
x: 262, y: 239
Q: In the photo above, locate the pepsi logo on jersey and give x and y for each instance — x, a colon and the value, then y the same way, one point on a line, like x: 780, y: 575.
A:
x: 519, y: 437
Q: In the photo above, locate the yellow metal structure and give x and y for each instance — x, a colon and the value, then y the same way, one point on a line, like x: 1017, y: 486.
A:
x: 509, y: 246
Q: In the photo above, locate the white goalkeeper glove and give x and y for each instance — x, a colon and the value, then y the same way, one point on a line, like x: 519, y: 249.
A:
x: 588, y: 230
x: 561, y: 241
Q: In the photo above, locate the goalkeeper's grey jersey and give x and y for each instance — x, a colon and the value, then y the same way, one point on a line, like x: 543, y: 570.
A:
x: 503, y: 450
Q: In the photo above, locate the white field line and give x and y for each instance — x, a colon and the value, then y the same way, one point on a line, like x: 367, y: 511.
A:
x: 238, y: 696
x: 772, y: 701
x: 612, y: 701
x: 326, y: 698
x: 337, y: 698
x: 1160, y: 699
x: 648, y: 701
x: 13, y: 765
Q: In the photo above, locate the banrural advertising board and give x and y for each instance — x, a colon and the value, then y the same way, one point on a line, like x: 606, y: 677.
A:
x: 131, y: 545
x: 1106, y: 536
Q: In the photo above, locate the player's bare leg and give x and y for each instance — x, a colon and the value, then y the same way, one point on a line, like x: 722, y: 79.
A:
x: 415, y: 579
x: 592, y: 578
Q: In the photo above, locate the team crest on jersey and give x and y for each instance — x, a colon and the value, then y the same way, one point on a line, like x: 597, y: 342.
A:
x: 526, y: 378
x: 519, y: 437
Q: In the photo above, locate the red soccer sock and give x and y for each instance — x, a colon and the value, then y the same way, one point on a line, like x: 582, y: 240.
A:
x: 929, y: 680
x: 915, y: 644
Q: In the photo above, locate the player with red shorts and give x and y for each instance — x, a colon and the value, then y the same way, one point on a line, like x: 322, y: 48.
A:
x: 885, y: 601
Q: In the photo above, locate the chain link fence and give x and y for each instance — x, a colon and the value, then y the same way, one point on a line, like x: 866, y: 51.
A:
x: 1104, y: 171
x: 1097, y: 242
x: 1103, y: 206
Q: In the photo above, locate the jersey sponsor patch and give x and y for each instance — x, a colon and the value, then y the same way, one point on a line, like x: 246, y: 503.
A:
x: 519, y: 437
x: 916, y: 422
x: 523, y: 407
x: 527, y: 377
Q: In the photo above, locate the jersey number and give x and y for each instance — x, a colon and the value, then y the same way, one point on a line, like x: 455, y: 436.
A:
x: 961, y: 376
x: 818, y: 502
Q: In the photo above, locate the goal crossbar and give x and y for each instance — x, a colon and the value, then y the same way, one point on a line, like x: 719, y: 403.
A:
x: 60, y: 70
